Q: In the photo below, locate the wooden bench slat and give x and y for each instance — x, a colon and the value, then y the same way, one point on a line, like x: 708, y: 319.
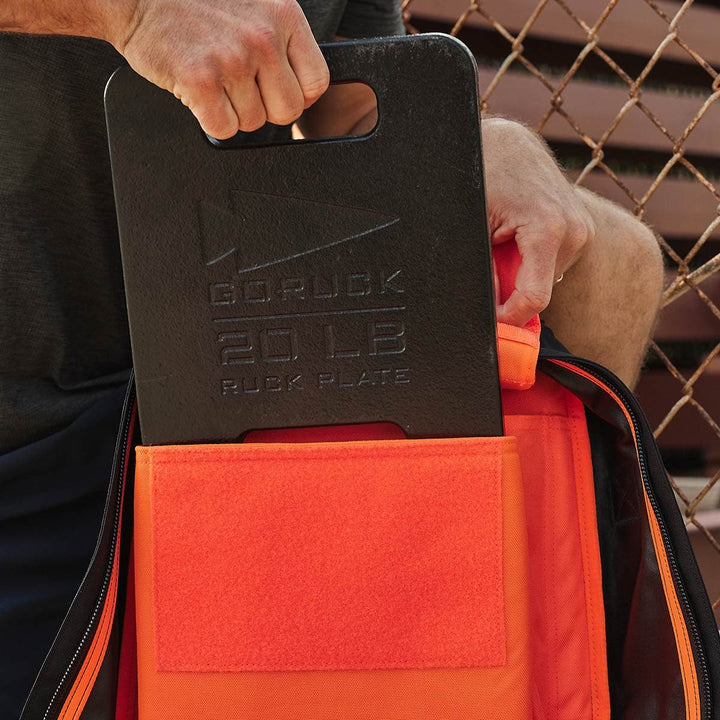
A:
x: 678, y: 208
x: 658, y: 391
x: 632, y: 26
x: 594, y: 106
x: 688, y: 318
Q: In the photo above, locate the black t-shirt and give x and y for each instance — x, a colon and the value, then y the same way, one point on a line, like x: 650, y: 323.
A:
x: 63, y: 327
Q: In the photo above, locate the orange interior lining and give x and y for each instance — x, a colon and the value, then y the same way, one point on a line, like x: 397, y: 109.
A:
x: 82, y: 686
x: 80, y: 691
x: 355, y: 694
x: 684, y: 648
x: 126, y: 700
x: 567, y: 610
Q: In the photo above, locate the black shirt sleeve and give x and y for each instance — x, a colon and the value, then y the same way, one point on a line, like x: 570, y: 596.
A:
x: 371, y: 18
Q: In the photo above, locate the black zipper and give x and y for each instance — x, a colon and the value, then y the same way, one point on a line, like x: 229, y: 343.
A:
x: 630, y: 404
x: 119, y: 470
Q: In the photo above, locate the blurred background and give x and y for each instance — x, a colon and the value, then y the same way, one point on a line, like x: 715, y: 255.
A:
x: 626, y: 94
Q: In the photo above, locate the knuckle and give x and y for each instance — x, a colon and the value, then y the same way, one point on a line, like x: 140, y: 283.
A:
x: 225, y: 60
x: 264, y: 42
x: 290, y: 107
x: 199, y: 80
x: 216, y: 122
x: 288, y: 9
x: 286, y: 116
x: 591, y: 230
x: 554, y: 224
x: 577, y: 232
x: 224, y: 133
x: 220, y: 129
x: 316, y: 85
x: 581, y: 231
x: 533, y: 300
x: 233, y: 61
x: 239, y: 62
x: 253, y: 120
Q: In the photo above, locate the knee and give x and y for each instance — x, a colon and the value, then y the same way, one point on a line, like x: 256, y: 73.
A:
x: 624, y: 257
x: 643, y: 259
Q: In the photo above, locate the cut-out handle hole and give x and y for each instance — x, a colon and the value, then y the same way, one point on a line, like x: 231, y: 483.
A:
x: 347, y: 110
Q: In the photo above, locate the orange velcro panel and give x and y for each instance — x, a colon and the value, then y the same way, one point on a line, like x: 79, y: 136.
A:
x: 317, y: 581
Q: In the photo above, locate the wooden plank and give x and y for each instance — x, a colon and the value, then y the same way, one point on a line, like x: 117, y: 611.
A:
x: 688, y: 318
x: 706, y: 555
x: 678, y: 208
x: 632, y: 26
x: 594, y: 106
x: 658, y: 391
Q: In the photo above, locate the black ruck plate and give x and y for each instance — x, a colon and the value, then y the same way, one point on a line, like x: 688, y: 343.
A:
x: 312, y: 283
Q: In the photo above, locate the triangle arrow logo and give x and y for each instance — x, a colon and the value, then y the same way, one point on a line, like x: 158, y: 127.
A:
x: 260, y: 229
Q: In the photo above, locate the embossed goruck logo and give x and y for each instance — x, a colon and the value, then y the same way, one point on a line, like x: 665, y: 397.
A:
x: 294, y: 227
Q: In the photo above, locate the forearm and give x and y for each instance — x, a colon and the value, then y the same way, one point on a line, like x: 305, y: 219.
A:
x: 89, y: 18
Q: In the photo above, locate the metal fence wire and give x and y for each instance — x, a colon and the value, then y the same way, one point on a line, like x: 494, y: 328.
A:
x: 627, y: 94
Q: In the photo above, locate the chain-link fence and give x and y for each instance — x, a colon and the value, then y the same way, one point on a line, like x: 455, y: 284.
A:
x: 626, y: 93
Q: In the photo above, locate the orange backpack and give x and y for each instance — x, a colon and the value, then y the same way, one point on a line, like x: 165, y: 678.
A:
x: 545, y: 574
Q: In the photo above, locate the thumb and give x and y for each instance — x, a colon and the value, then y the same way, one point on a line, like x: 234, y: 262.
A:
x: 534, y: 279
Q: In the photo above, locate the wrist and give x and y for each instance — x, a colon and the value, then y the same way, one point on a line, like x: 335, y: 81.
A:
x: 119, y: 18
x: 109, y: 20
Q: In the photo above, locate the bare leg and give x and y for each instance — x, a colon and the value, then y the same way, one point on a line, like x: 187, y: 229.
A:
x: 605, y: 307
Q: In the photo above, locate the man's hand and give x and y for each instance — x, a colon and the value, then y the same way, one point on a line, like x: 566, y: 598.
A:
x: 235, y: 63
x: 529, y: 200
